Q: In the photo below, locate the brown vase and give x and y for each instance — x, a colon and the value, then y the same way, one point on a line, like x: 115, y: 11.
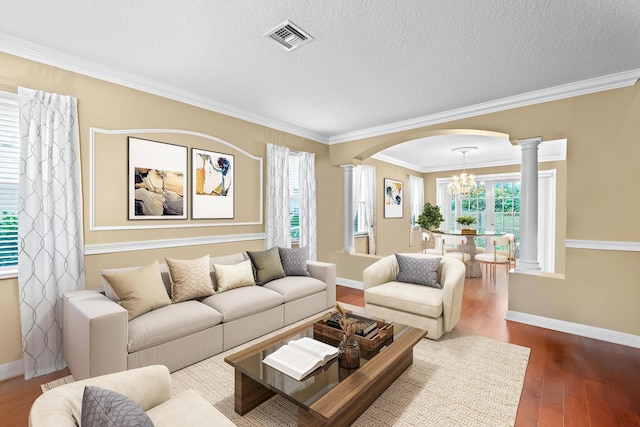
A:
x: 349, y: 352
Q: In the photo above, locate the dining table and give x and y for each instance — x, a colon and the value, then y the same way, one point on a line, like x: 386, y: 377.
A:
x: 470, y: 247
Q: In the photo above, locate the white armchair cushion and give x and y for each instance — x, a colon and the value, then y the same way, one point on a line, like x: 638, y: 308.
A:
x: 407, y: 297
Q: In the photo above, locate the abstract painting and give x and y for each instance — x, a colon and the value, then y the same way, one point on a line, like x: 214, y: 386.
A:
x: 157, y: 180
x: 212, y: 185
x: 393, y: 198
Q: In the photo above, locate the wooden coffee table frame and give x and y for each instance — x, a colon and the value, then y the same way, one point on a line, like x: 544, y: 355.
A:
x: 343, y: 404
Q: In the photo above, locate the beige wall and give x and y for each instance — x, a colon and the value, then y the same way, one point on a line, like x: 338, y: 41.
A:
x: 109, y: 106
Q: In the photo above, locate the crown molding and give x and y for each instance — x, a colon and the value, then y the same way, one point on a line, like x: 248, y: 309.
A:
x: 602, y: 245
x: 584, y: 87
x: 46, y: 55
x: 36, y: 52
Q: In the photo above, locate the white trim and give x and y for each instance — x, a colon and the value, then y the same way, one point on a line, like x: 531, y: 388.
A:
x: 46, y: 55
x: 349, y: 283
x: 579, y: 329
x: 92, y: 221
x: 602, y: 245
x: 584, y: 87
x: 39, y: 53
x: 11, y: 369
x: 107, y: 248
x: 9, y: 272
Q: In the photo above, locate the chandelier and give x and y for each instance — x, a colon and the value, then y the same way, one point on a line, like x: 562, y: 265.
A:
x: 464, y: 184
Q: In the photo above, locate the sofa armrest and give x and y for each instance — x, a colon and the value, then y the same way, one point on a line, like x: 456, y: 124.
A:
x: 452, y: 278
x: 96, y: 331
x: 382, y: 271
x: 148, y: 387
x: 327, y: 273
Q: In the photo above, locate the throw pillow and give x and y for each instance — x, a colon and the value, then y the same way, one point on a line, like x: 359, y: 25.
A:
x: 139, y: 291
x: 266, y: 265
x: 294, y: 261
x: 190, y: 278
x: 420, y: 271
x: 106, y: 408
x: 233, y: 276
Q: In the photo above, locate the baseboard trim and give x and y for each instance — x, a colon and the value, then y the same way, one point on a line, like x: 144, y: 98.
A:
x: 11, y: 369
x: 579, y: 329
x: 349, y: 283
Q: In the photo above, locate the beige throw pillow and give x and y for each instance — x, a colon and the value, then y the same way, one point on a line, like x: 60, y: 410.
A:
x: 190, y: 278
x: 139, y: 291
x: 233, y: 276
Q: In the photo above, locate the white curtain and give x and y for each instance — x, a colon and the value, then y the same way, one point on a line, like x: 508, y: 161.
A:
x: 307, y: 197
x: 277, y: 221
x: 51, y: 248
x: 416, y: 194
x: 364, y: 194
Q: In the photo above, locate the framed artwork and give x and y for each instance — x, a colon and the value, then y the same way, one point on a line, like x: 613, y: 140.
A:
x: 212, y: 185
x: 157, y: 180
x: 393, y: 198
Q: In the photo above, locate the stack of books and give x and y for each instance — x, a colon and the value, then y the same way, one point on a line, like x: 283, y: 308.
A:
x: 370, y: 331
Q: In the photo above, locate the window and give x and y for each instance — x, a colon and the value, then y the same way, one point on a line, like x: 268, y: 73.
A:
x: 294, y: 194
x: 496, y: 206
x: 9, y: 172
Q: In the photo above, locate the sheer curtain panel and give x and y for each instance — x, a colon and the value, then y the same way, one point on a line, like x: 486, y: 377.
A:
x: 51, y: 249
x: 416, y: 194
x: 364, y: 193
x: 308, y: 212
x: 277, y: 221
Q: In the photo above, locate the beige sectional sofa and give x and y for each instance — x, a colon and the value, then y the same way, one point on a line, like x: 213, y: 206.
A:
x: 99, y: 338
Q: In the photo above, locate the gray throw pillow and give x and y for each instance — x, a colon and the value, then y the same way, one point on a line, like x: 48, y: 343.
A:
x: 294, y: 261
x: 420, y: 271
x: 106, y: 408
x: 266, y: 265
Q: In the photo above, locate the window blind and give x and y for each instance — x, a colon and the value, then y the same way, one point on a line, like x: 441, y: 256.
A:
x: 9, y: 173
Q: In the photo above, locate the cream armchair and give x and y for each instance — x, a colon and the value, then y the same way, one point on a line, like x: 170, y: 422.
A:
x: 149, y: 387
x: 434, y: 310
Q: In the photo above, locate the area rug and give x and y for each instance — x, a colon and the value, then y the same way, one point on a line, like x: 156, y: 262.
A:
x: 462, y: 380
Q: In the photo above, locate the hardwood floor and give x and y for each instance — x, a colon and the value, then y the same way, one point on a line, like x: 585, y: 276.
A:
x: 570, y: 380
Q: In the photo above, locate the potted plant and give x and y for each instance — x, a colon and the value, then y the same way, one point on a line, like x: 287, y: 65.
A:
x: 466, y: 221
x: 430, y: 218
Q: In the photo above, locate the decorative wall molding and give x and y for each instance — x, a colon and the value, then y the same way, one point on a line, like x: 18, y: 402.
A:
x: 11, y: 369
x: 575, y: 328
x: 584, y: 87
x: 107, y: 248
x: 349, y: 283
x: 602, y: 245
x: 92, y: 193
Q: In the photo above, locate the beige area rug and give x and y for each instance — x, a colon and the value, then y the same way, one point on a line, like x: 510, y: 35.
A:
x: 461, y: 380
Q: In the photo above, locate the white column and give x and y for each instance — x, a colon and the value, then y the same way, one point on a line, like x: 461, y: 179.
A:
x: 528, y: 262
x: 349, y: 244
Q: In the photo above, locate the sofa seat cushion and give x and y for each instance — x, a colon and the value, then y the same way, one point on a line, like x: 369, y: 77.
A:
x: 170, y: 323
x: 296, y: 287
x: 415, y: 299
x: 242, y: 302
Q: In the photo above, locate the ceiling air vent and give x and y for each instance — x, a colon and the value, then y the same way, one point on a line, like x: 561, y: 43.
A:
x: 289, y: 36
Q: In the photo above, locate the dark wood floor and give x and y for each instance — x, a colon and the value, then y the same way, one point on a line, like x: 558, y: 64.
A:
x: 570, y: 380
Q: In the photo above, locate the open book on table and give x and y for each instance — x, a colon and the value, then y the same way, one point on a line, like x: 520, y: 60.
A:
x: 300, y: 357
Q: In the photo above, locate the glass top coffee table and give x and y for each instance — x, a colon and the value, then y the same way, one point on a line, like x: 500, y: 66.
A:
x: 330, y: 395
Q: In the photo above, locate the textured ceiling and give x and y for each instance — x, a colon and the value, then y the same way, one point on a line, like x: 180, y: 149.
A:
x: 372, y: 63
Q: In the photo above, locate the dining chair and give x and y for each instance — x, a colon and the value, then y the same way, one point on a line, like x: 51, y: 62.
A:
x: 511, y: 250
x: 425, y: 242
x: 456, y: 241
x: 491, y: 260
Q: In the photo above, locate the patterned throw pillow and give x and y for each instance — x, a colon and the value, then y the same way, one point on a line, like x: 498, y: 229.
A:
x: 141, y: 290
x: 233, y: 276
x: 190, y: 278
x: 294, y: 261
x: 420, y: 271
x: 266, y: 265
x: 106, y: 408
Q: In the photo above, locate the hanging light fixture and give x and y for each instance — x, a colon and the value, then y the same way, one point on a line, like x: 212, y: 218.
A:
x: 464, y: 184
